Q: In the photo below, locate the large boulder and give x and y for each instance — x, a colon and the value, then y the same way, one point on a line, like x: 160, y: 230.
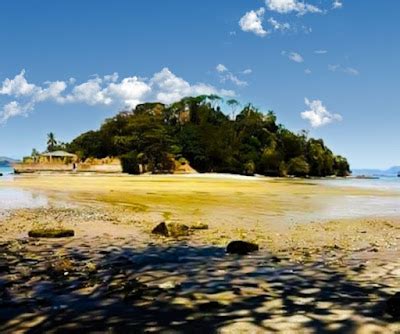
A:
x: 241, y: 247
x: 171, y: 230
x: 393, y: 306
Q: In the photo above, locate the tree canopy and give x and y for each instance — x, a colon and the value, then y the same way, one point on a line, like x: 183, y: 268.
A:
x: 194, y: 128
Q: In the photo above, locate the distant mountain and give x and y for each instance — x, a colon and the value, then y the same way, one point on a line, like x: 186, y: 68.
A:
x: 6, y: 162
x: 392, y: 171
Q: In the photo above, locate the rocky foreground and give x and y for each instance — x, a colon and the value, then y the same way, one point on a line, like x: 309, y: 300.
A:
x: 114, y: 275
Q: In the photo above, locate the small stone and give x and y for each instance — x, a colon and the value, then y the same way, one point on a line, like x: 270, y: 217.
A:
x: 171, y: 230
x: 241, y: 247
x: 199, y: 226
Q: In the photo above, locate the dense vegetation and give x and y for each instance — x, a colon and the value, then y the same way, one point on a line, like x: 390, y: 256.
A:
x: 195, y: 129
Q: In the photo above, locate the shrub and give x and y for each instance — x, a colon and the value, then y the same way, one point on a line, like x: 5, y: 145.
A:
x: 129, y: 163
x: 249, y: 168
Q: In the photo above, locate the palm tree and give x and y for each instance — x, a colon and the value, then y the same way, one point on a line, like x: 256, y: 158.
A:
x: 51, y: 141
x: 234, y: 104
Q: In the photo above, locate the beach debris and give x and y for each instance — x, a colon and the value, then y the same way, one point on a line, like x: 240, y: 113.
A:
x: 241, y: 247
x: 199, y: 226
x: 171, y: 230
x: 393, y: 306
x: 51, y: 233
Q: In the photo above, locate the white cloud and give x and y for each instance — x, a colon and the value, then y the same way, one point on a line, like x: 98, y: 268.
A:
x: 337, y: 4
x: 14, y: 109
x: 318, y: 115
x: 252, y: 22
x: 247, y: 71
x: 346, y: 70
x: 307, y: 71
x: 296, y: 57
x: 131, y: 90
x: 52, y: 92
x: 163, y: 86
x: 276, y: 25
x: 226, y: 75
x: 89, y: 92
x: 221, y: 68
x: 17, y: 86
x: 320, y: 52
x: 289, y: 6
x: 293, y: 56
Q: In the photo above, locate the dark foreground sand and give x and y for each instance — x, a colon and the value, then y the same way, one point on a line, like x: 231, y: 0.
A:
x: 114, y: 276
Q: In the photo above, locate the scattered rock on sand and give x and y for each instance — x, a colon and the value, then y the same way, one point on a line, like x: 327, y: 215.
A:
x: 241, y: 247
x: 51, y: 233
x: 199, y: 226
x: 171, y: 230
x: 393, y: 306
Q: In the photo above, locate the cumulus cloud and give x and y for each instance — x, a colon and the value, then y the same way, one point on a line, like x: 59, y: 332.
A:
x: 307, y: 71
x: 226, y: 75
x: 17, y: 86
x: 320, y: 52
x: 109, y: 90
x: 247, y: 71
x: 252, y: 22
x: 317, y: 114
x: 337, y: 4
x: 276, y: 25
x: 290, y: 6
x: 346, y: 70
x: 293, y: 56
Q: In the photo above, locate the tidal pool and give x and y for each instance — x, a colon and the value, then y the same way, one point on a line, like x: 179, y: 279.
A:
x: 11, y: 199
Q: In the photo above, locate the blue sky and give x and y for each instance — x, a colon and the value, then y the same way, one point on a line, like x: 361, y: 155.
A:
x: 331, y: 67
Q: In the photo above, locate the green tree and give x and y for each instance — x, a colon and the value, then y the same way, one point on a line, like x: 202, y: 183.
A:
x: 298, y: 167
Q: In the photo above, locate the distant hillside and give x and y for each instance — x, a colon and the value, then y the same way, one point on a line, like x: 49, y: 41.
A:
x: 6, y: 162
x: 378, y: 172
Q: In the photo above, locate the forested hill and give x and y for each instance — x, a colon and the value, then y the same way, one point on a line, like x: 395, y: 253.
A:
x: 247, y: 141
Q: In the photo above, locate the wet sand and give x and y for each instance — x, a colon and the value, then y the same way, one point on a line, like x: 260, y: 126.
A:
x: 311, y: 275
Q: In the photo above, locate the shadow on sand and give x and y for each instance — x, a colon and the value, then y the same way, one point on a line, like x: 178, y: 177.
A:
x: 46, y: 287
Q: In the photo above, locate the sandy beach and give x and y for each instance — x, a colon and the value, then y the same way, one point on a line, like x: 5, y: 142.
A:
x: 327, y: 261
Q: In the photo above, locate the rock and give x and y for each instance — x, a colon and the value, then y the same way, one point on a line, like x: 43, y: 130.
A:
x: 161, y: 229
x: 393, y: 306
x: 241, y: 247
x: 275, y: 259
x: 51, y: 233
x: 199, y: 226
x: 171, y: 230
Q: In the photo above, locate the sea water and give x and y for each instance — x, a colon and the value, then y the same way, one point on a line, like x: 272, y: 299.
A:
x: 13, y: 198
x: 385, y: 183
x: 6, y: 171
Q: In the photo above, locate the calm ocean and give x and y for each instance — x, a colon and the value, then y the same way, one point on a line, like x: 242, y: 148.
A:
x: 6, y: 170
x: 386, y: 183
